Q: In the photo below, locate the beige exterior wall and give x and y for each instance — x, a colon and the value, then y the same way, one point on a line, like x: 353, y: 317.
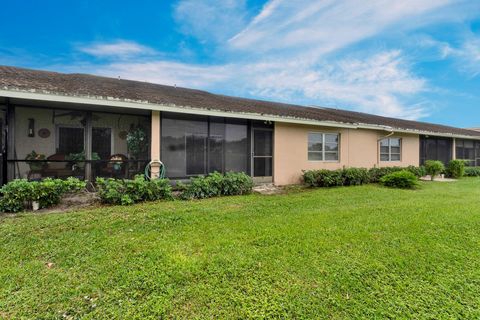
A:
x: 358, y: 148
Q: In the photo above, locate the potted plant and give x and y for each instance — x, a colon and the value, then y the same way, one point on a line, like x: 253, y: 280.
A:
x: 35, y: 164
x: 78, y: 159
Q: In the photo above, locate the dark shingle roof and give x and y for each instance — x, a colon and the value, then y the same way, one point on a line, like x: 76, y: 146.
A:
x: 13, y: 78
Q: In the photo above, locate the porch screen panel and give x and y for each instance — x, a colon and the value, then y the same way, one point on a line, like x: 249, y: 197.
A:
x: 193, y: 145
x: 466, y: 150
x: 435, y: 148
x: 216, y: 145
x: 120, y: 144
x: 179, y: 152
x: 236, y: 146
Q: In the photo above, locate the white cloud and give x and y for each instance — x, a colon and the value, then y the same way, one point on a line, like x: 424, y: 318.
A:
x: 284, y: 53
x: 469, y: 56
x: 117, y: 49
x: 326, y: 25
x: 377, y: 84
x: 210, y: 19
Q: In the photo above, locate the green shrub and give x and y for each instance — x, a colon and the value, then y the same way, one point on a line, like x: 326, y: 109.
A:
x: 355, y: 176
x: 417, y: 171
x: 434, y: 168
x: 217, y: 184
x: 127, y: 192
x: 236, y: 183
x: 401, y: 179
x: 323, y: 178
x: 18, y: 194
x: 15, y: 194
x: 456, y: 169
x: 472, y: 171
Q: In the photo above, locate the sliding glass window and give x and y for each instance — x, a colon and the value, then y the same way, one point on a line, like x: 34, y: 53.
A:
x: 195, y: 145
x: 467, y: 150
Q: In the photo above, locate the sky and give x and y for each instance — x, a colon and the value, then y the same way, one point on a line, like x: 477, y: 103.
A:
x: 412, y: 59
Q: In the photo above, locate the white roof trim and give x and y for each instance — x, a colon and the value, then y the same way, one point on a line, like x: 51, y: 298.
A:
x: 145, y: 105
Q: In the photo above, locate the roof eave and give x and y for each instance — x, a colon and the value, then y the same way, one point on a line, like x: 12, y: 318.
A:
x: 145, y: 105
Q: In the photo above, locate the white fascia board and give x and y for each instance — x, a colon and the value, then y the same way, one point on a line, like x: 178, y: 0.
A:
x: 112, y: 102
x: 144, y: 105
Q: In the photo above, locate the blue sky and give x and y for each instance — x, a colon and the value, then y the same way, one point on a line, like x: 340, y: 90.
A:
x: 413, y: 59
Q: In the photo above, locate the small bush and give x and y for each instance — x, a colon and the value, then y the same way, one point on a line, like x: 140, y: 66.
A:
x: 355, y: 176
x: 217, y: 184
x: 126, y: 192
x: 18, y: 194
x: 323, y: 178
x: 401, y: 179
x: 456, y: 169
x: 472, y: 171
x: 434, y: 168
x: 417, y: 171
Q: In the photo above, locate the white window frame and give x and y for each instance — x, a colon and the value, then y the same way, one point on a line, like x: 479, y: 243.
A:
x: 323, y: 152
x: 389, y: 154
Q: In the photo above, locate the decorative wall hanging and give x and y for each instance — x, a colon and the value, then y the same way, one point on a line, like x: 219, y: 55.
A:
x: 44, y: 133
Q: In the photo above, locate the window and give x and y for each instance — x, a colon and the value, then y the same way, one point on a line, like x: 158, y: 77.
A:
x: 70, y: 140
x: 390, y: 149
x: 323, y: 146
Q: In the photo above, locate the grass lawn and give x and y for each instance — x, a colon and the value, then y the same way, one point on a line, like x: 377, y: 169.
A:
x: 352, y: 252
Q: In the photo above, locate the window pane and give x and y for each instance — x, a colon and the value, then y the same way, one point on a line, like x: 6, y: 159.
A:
x: 395, y: 142
x: 315, y: 156
x: 331, y: 156
x: 331, y: 138
x: 384, y: 143
x: 331, y: 147
x: 384, y: 149
x: 395, y: 157
x: 395, y: 150
x: 384, y: 157
x: 315, y: 142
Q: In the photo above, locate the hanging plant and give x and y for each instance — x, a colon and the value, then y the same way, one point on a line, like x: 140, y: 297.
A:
x: 137, y: 142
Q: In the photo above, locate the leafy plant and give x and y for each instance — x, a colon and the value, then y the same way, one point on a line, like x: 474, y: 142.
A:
x: 355, y: 176
x: 35, y: 157
x: 137, y: 142
x: 18, y: 194
x: 323, y: 178
x: 456, y: 169
x: 472, y: 171
x: 126, y: 192
x: 401, y: 179
x: 434, y: 168
x: 217, y: 184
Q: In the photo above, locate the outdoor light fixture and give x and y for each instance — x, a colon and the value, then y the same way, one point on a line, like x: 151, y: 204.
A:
x: 31, y: 127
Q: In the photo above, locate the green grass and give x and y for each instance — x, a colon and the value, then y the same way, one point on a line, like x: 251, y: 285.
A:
x: 353, y: 252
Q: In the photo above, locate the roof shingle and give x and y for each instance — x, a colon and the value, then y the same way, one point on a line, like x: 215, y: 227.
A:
x: 13, y: 78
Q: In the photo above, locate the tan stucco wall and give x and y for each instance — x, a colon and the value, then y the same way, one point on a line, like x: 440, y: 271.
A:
x: 358, y: 148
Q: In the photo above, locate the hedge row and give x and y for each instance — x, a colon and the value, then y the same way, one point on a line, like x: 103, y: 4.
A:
x: 353, y: 176
x: 126, y: 192
x: 19, y: 194
x: 472, y: 171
